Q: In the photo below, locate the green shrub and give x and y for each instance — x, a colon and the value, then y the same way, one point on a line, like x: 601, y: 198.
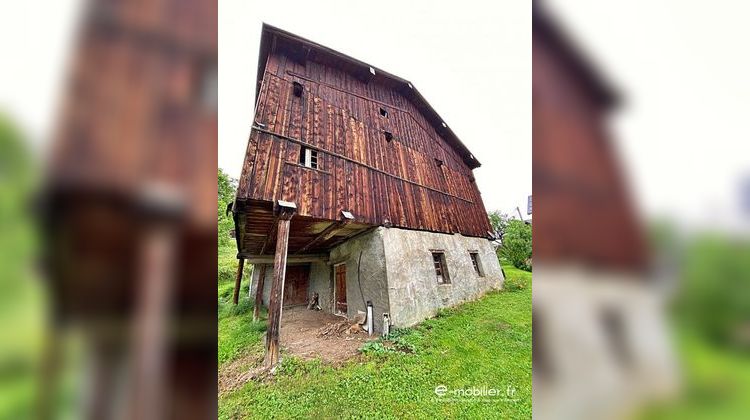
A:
x: 516, y: 247
x: 401, y: 340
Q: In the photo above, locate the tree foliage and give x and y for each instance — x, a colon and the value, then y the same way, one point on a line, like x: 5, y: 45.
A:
x: 713, y: 298
x: 499, y: 222
x: 516, y: 244
x: 226, y: 189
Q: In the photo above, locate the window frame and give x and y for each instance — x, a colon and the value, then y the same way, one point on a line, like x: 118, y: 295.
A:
x: 476, y: 262
x: 440, y: 266
x: 309, y: 158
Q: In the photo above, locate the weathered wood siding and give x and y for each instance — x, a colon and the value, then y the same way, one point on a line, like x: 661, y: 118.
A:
x: 380, y: 182
x: 583, y: 209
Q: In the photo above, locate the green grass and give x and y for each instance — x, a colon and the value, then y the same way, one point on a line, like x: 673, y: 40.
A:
x: 238, y: 335
x: 486, y: 343
x: 716, y: 382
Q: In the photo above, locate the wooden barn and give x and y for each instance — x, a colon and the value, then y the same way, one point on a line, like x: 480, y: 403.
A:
x: 129, y: 213
x: 599, y: 338
x: 355, y: 191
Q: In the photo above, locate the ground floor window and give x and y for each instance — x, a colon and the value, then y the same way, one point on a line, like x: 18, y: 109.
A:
x: 441, y: 268
x: 476, y: 263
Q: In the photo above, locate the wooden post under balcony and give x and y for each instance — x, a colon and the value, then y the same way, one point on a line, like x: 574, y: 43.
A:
x: 276, y: 297
x: 238, y: 281
x: 259, y: 292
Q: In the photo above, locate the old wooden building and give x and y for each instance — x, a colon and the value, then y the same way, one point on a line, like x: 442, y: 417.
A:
x: 378, y: 190
x: 129, y: 211
x: 599, y: 339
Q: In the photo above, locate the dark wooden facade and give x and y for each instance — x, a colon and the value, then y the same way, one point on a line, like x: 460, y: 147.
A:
x: 132, y: 169
x: 583, y: 212
x: 384, y: 155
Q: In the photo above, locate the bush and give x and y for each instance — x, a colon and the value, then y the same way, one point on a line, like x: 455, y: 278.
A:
x: 516, y: 247
x: 714, y: 299
x: 401, y: 340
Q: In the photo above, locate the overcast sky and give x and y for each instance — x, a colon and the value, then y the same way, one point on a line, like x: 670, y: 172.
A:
x: 684, y: 71
x: 471, y: 61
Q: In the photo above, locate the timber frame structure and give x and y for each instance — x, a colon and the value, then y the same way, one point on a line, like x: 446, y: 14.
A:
x: 344, y: 148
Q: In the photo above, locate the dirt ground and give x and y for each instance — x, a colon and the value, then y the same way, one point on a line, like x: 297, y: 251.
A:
x: 300, y: 335
x: 306, y: 334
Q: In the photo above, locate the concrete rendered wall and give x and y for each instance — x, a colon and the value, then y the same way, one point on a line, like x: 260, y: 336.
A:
x: 370, y: 269
x: 365, y: 277
x: 319, y: 279
x: 266, y: 283
x: 396, y: 273
x: 413, y: 290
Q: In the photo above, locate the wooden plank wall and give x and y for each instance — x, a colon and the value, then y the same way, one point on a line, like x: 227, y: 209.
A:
x: 378, y: 181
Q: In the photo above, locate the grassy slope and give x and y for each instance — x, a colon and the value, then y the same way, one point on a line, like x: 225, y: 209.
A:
x: 716, y: 383
x: 238, y: 335
x: 483, y: 343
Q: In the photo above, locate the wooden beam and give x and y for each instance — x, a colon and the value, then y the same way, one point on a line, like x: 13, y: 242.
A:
x: 269, y: 259
x: 356, y: 162
x: 259, y: 292
x: 270, y: 234
x: 276, y: 297
x: 238, y: 281
x: 329, y: 231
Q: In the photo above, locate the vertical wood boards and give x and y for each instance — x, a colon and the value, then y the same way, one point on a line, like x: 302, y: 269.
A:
x: 377, y: 180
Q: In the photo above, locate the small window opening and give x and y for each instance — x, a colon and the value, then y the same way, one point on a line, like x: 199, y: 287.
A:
x: 441, y: 268
x: 383, y: 112
x: 297, y: 89
x: 476, y: 263
x: 616, y: 334
x: 542, y: 364
x: 308, y: 157
x: 388, y: 135
x: 208, y: 88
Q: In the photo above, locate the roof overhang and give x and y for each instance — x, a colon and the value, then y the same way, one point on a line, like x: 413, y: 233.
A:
x: 546, y: 29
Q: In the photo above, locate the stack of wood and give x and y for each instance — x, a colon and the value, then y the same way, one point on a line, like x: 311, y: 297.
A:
x: 333, y: 329
x: 336, y: 329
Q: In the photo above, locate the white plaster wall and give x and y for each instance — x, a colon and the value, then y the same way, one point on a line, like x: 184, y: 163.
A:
x: 413, y: 290
x: 266, y: 283
x: 588, y: 379
x: 320, y: 281
x: 365, y: 277
x: 319, y: 274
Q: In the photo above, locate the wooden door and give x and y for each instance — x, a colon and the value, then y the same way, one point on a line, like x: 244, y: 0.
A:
x: 296, y: 284
x: 340, y: 292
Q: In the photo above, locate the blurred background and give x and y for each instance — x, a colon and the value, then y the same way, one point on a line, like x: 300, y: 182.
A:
x: 641, y: 247
x: 108, y: 113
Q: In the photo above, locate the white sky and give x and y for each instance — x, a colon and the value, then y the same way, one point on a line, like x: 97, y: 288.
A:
x: 36, y: 38
x: 683, y: 67
x: 471, y: 61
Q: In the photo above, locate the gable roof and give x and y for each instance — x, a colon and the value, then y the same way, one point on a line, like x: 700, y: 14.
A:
x: 546, y: 28
x: 305, y: 49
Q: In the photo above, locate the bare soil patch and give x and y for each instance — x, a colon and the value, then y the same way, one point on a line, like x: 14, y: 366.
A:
x: 319, y: 335
x: 306, y: 334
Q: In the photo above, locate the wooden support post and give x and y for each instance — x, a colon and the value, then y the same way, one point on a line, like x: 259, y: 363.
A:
x: 259, y: 292
x: 276, y: 298
x: 238, y: 281
x: 151, y: 342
